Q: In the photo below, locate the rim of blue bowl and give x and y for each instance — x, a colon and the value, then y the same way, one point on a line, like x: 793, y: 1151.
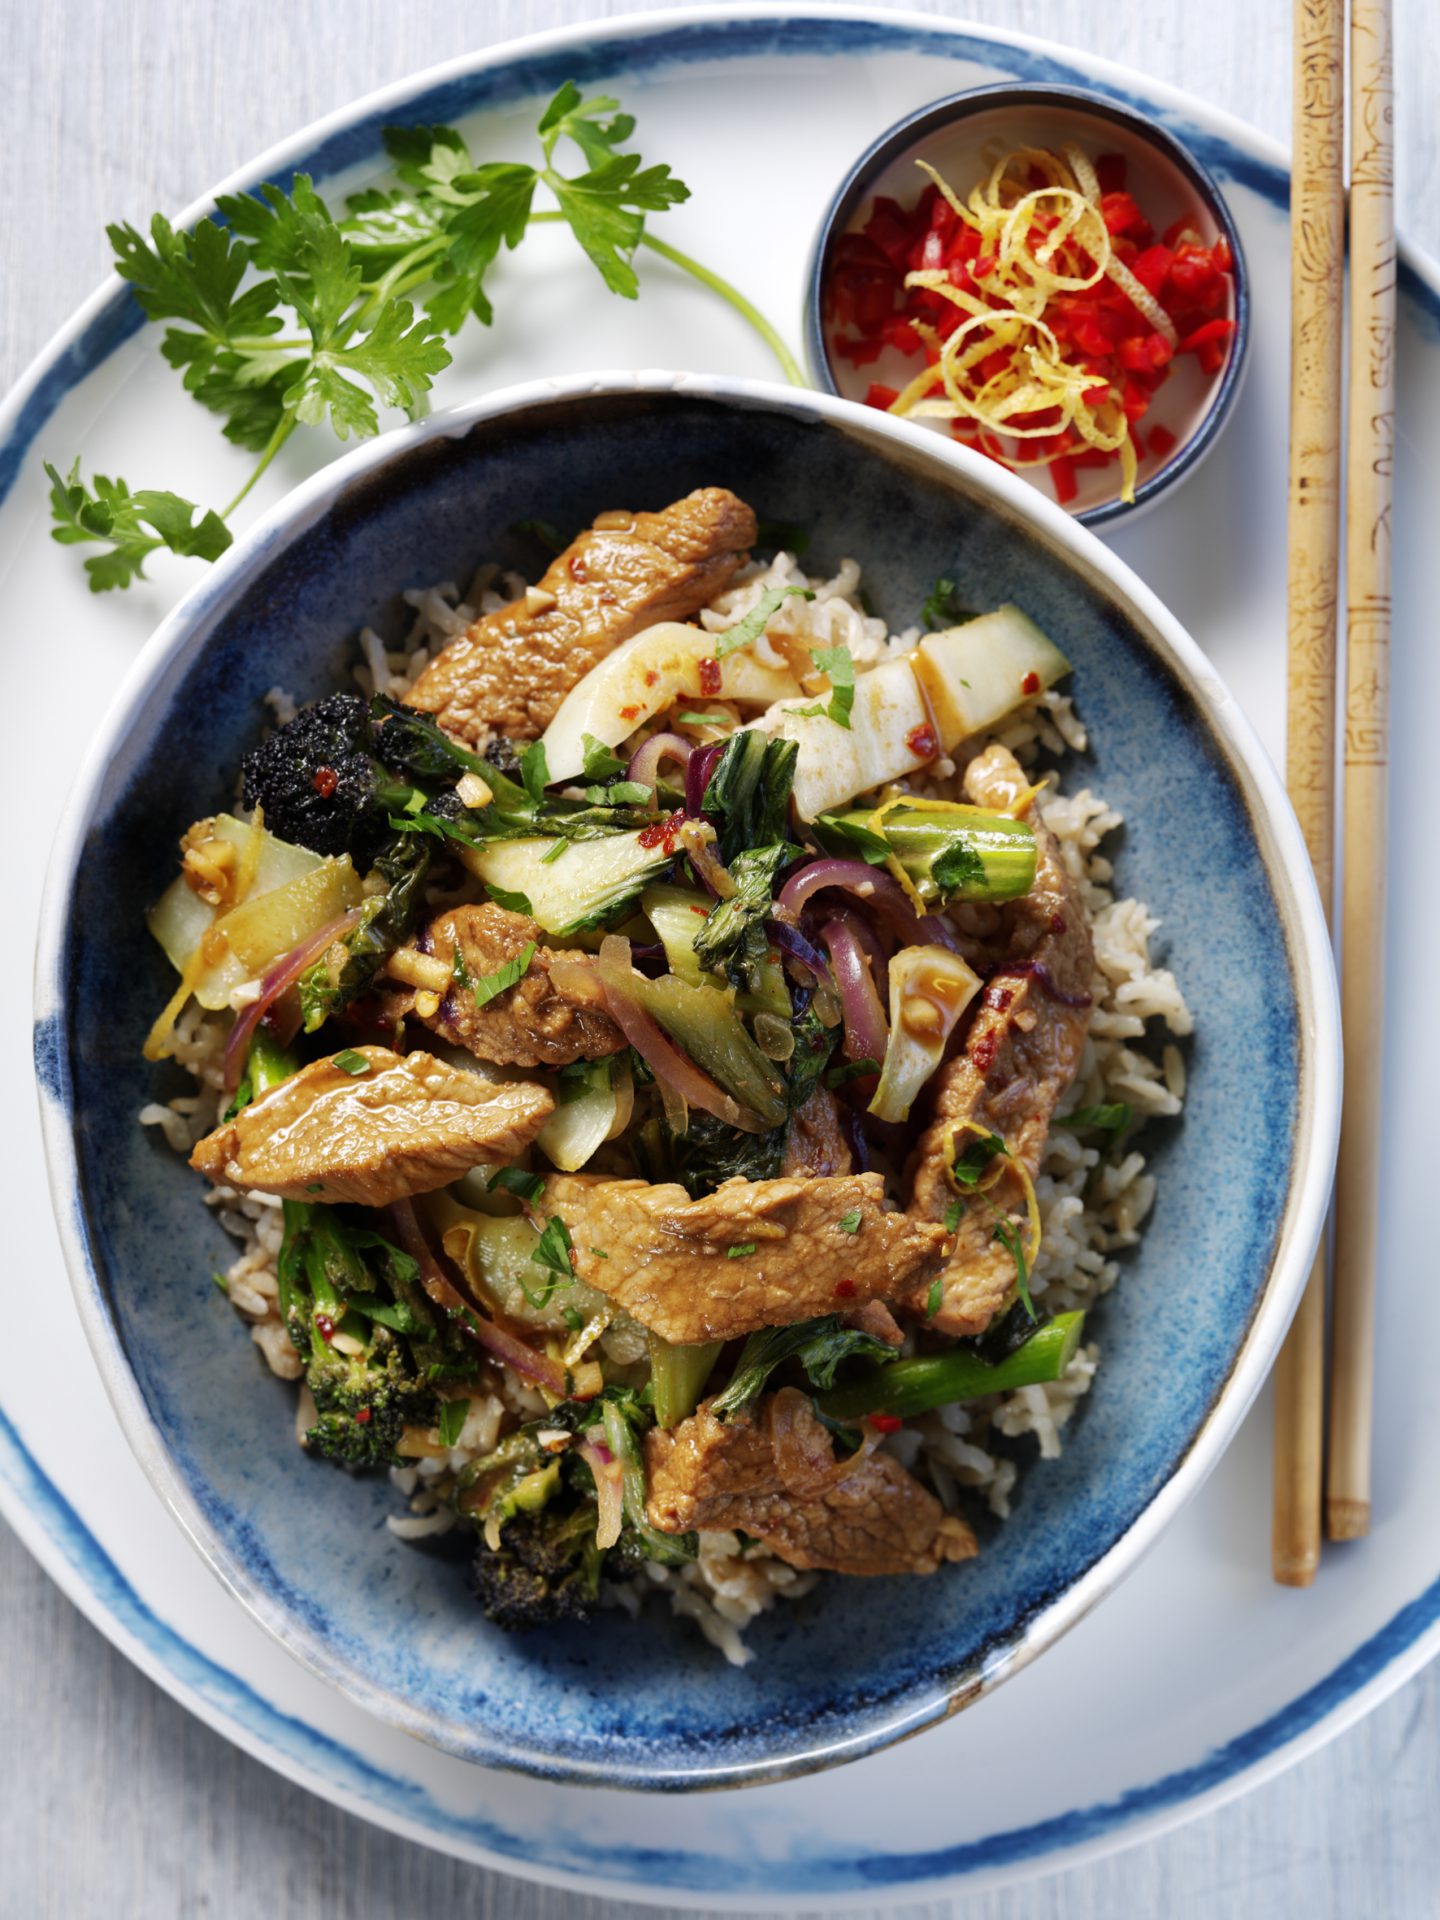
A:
x: 956, y: 106
x: 1307, y: 943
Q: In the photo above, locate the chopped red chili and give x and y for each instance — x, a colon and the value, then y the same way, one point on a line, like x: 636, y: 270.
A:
x: 325, y: 1327
x: 885, y: 1422
x: 870, y: 312
x: 325, y: 781
x: 710, y: 675
x: 362, y: 1417
x: 664, y: 833
x: 922, y: 742
x: 1031, y: 683
x: 844, y: 1289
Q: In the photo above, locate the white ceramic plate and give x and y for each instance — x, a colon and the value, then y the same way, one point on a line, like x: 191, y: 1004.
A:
x: 1198, y: 1677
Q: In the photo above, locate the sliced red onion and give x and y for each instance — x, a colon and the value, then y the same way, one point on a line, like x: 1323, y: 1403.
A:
x: 877, y: 888
x: 793, y: 943
x: 609, y: 1491
x: 867, y: 1032
x: 673, y: 1069
x: 282, y: 975
x: 646, y: 761
x: 516, y: 1354
x: 870, y: 945
x: 698, y: 769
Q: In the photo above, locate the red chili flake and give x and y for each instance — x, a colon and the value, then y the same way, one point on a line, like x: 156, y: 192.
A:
x: 325, y: 781
x: 1031, y: 683
x: 710, y: 675
x: 651, y: 677
x: 577, y: 567
x: 982, y: 1054
x: 999, y: 998
x: 325, y: 1327
x: 704, y: 912
x: 664, y: 833
x: 845, y: 1290
x: 921, y: 741
x: 629, y: 713
x: 885, y: 1422
x: 362, y: 1418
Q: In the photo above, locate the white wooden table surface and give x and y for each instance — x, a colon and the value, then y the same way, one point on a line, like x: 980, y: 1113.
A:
x: 113, y: 1801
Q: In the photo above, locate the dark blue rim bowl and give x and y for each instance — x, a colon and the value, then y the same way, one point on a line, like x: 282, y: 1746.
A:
x: 855, y: 189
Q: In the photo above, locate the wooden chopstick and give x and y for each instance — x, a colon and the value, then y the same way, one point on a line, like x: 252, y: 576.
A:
x: 1369, y: 463
x: 1317, y: 214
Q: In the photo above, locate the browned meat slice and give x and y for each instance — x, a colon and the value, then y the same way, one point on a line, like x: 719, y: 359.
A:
x: 816, y: 1142
x: 1021, y: 1053
x: 755, y: 1253
x: 542, y: 1021
x: 772, y: 1473
x: 403, y: 1126
x: 510, y: 672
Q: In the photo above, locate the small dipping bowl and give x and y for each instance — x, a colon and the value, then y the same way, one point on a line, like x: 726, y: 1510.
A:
x: 962, y: 137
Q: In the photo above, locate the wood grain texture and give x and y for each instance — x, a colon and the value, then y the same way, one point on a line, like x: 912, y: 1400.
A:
x: 1370, y: 463
x: 1317, y: 294
x: 117, y: 1803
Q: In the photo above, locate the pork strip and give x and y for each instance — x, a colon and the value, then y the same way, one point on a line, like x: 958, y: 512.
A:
x: 510, y: 672
x: 539, y: 1022
x: 1021, y: 1053
x: 801, y: 1248
x: 816, y: 1141
x: 404, y: 1126
x: 875, y: 1519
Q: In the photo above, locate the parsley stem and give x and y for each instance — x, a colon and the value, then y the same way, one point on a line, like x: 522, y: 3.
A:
x: 284, y: 427
x: 789, y: 365
x: 389, y: 283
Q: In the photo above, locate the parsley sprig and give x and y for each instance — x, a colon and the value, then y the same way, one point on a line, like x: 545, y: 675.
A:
x: 281, y: 313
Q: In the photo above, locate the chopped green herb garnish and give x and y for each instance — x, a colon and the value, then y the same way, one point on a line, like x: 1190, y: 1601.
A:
x: 600, y: 762
x: 553, y: 853
x: 942, y: 609
x: 542, y: 533
x: 535, y: 770
x: 935, y: 1298
x: 1112, y: 1118
x: 526, y: 1186
x: 453, y: 1415
x: 851, y: 1070
x: 740, y: 1250
x: 219, y: 1280
x: 600, y: 1253
x: 572, y: 1318
x: 952, y: 1215
x: 489, y: 985
x: 552, y: 1253
x: 749, y: 629
x: 1009, y: 1237
x: 849, y: 1222
x: 349, y: 1061
x: 838, y: 663
x: 459, y: 970
x: 977, y: 1156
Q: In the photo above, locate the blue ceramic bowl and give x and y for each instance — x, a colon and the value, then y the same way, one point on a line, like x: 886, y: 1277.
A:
x: 962, y: 136
x: 1210, y: 842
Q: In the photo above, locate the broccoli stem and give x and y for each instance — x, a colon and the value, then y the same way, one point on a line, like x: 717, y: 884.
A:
x: 974, y: 855
x: 908, y: 1387
x: 267, y: 1064
x: 677, y: 1377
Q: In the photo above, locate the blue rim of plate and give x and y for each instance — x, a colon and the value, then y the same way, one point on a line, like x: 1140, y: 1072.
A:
x: 50, y: 1525
x: 944, y: 113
